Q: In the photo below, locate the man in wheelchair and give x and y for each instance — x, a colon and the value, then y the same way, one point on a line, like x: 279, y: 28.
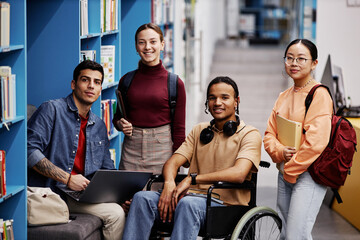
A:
x: 225, y: 150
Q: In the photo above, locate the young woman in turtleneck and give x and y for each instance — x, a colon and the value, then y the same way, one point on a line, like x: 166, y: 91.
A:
x: 149, y: 141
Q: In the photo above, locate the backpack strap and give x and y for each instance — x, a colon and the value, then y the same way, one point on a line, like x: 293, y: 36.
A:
x: 127, y: 81
x: 337, y: 195
x: 310, y: 97
x: 172, y: 92
x: 124, y: 87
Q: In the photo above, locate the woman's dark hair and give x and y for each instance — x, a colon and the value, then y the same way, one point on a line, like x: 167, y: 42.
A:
x: 308, y: 44
x: 152, y: 26
x: 88, y: 64
x: 222, y: 79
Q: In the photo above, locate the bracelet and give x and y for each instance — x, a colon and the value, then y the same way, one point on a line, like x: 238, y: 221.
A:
x: 68, y: 181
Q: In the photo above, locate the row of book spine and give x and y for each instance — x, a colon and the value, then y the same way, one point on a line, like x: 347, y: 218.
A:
x: 163, y: 11
x: 108, y: 108
x: 2, y: 174
x: 109, y: 15
x: 8, y: 93
x: 109, y: 11
x: 6, y: 229
x: 4, y: 24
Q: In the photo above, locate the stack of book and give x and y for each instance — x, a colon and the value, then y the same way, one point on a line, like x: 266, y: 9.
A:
x: 108, y: 107
x: 6, y: 229
x: 8, y: 93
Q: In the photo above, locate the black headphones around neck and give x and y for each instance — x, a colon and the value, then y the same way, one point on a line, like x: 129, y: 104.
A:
x: 229, y: 129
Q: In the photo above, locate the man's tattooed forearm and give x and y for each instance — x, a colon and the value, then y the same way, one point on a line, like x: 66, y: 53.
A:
x: 47, y: 168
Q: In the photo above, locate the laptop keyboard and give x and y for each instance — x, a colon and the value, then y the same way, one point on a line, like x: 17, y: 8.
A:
x: 75, y: 194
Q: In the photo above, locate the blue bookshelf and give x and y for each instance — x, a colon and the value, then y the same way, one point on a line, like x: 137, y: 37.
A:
x: 133, y: 15
x: 55, y: 44
x: 13, y: 131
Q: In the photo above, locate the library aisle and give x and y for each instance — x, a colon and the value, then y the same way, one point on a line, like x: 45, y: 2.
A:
x: 258, y: 71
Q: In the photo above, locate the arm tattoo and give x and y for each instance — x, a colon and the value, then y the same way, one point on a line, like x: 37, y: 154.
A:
x: 48, y: 169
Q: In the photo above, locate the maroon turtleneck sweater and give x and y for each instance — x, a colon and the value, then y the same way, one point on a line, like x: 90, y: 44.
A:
x: 148, y: 101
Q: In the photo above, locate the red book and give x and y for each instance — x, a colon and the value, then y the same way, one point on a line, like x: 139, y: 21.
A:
x: 3, y: 177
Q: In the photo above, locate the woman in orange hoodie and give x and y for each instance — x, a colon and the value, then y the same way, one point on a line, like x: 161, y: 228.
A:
x: 299, y: 198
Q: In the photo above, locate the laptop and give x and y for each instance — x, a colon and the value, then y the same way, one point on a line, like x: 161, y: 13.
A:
x: 110, y: 186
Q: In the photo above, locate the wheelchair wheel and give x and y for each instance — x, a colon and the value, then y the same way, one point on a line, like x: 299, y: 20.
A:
x: 258, y: 223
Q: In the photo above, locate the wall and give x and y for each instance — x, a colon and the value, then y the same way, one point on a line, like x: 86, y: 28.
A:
x: 338, y: 34
x: 210, y: 19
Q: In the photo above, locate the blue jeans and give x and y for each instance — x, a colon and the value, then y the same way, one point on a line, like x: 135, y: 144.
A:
x: 189, y: 216
x: 298, y: 205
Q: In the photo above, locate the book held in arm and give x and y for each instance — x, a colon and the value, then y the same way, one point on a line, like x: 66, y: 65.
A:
x: 288, y: 133
x: 120, y: 104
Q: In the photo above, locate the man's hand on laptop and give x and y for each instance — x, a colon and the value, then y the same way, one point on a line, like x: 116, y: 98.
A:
x: 78, y: 182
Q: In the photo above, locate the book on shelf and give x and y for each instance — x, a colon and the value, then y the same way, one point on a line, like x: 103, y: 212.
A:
x: 2, y: 173
x: 8, y: 93
x: 107, y: 60
x: 156, y: 11
x: 107, y: 108
x: 288, y: 133
x: 162, y: 11
x: 12, y: 96
x: 4, y: 24
x: 88, y: 55
x: 168, y: 11
x: 168, y: 51
x: 109, y: 11
x: 84, y: 22
x: 6, y: 229
x: 113, y: 155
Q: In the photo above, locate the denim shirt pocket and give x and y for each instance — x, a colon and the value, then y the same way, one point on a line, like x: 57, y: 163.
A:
x: 97, y: 149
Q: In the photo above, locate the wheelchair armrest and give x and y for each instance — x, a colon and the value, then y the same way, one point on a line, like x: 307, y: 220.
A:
x: 160, y: 178
x: 228, y: 185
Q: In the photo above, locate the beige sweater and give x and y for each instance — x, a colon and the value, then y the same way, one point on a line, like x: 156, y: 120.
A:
x: 291, y: 105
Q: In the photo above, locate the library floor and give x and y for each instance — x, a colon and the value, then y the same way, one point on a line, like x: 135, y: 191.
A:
x: 260, y: 78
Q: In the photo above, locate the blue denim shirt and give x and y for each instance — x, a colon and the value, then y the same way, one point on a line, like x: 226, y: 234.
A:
x: 53, y: 132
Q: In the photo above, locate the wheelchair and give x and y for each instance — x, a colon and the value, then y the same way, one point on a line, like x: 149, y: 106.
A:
x: 229, y: 222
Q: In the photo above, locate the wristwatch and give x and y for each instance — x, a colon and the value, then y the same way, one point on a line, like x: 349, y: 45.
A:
x: 193, y: 178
